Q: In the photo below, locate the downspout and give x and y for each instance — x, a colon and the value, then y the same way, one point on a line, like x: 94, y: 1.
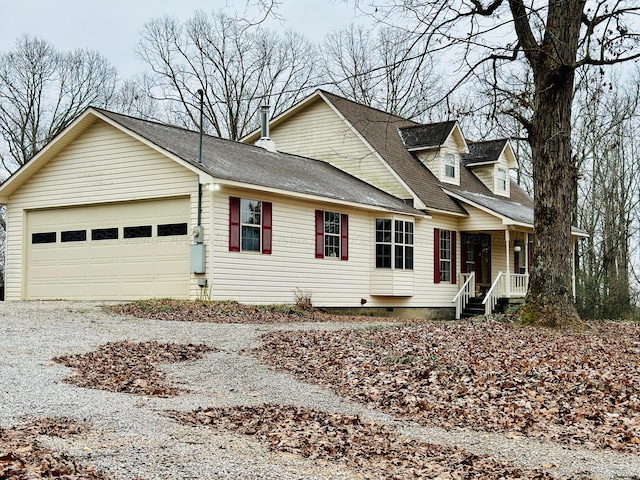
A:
x: 508, y: 253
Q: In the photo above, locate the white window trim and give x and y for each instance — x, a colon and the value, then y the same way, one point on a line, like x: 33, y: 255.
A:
x: 450, y: 160
x: 333, y: 235
x: 445, y: 260
x: 251, y: 225
x: 393, y: 244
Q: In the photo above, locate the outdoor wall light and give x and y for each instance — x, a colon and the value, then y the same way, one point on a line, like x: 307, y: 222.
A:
x: 517, y: 248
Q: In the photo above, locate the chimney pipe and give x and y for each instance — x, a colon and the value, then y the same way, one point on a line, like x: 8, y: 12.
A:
x: 265, y: 142
x: 264, y: 119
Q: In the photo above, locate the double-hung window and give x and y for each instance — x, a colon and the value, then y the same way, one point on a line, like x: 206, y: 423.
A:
x: 249, y: 225
x: 444, y: 255
x: 450, y: 165
x: 332, y: 235
x: 403, y: 245
x: 394, y: 244
x: 502, y: 179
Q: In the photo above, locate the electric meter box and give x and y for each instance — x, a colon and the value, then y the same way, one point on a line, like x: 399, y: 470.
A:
x: 198, y: 257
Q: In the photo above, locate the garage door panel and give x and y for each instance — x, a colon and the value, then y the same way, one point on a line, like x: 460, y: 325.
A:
x: 122, y: 268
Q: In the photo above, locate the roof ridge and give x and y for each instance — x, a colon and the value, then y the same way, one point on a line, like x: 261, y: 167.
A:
x: 432, y: 124
x: 162, y: 124
x: 362, y: 105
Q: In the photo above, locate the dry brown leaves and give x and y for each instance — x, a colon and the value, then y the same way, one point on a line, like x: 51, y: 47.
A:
x: 22, y: 456
x: 130, y: 367
x: 581, y: 389
x: 369, y: 448
x: 225, y: 312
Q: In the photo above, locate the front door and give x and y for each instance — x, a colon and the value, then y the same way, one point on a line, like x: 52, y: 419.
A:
x: 476, y: 257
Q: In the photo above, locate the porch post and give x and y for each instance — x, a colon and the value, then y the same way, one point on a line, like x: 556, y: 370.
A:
x: 508, y: 286
x: 573, y: 275
x: 526, y: 256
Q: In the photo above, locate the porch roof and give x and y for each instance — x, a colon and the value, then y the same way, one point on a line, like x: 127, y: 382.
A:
x: 510, y: 211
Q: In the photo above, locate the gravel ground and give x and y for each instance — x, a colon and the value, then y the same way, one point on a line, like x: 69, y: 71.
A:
x: 129, y: 439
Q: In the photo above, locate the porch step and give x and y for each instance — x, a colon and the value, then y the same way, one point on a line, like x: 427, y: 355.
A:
x: 474, y: 307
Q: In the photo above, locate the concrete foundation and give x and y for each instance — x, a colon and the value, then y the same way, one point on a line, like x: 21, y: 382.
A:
x: 397, y: 312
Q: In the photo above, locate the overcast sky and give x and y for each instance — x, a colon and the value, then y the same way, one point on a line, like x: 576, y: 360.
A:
x: 113, y: 26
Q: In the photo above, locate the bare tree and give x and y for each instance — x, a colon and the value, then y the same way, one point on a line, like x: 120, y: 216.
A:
x: 380, y: 68
x: 42, y: 90
x: 606, y: 146
x: 500, y: 40
x: 132, y: 98
x: 237, y: 66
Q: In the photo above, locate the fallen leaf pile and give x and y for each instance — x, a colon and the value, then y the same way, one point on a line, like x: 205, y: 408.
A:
x: 225, y: 312
x: 130, y: 367
x: 22, y: 456
x: 369, y: 448
x: 572, y: 388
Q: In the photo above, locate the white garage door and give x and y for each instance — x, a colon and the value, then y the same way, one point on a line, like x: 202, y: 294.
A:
x: 117, y: 251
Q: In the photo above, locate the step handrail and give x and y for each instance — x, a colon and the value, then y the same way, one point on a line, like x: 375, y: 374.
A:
x: 462, y: 297
x: 491, y: 299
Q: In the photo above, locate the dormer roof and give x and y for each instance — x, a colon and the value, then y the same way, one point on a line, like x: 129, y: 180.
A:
x: 487, y: 152
x: 432, y: 135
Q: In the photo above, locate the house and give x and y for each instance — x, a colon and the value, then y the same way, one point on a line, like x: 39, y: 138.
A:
x: 121, y: 208
x: 365, y: 210
x: 478, y: 241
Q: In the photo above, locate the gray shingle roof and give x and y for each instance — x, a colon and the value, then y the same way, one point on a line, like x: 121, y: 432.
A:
x: 229, y: 160
x: 518, y: 208
x: 516, y: 211
x: 483, y: 152
x: 426, y: 136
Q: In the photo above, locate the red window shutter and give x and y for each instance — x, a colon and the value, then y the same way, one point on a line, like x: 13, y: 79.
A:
x: 234, y: 224
x: 453, y: 257
x: 436, y: 255
x: 344, y: 237
x: 319, y: 234
x: 530, y: 254
x: 266, y: 228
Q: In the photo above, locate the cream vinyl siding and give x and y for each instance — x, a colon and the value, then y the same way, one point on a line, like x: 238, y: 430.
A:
x: 258, y: 278
x: 253, y: 277
x: 102, y: 165
x: 122, y: 268
x: 435, y: 160
x: 439, y: 293
x: 392, y: 282
x: 426, y: 293
x: 479, y: 221
x: 318, y: 132
x: 488, y: 174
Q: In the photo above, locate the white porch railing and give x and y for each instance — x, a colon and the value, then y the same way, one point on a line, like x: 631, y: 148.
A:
x: 518, y: 284
x: 506, y: 285
x: 467, y: 291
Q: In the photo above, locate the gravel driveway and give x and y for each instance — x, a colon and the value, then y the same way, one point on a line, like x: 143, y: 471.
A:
x: 129, y: 439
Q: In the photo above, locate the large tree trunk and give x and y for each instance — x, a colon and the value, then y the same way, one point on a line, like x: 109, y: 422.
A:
x: 550, y: 299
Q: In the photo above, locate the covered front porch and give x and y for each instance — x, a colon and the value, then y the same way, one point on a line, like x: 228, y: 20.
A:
x: 494, y: 265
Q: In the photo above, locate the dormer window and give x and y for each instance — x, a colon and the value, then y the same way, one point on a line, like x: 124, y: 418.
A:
x: 502, y: 179
x: 450, y: 165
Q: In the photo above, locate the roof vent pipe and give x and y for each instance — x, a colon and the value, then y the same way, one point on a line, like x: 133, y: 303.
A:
x: 265, y: 142
x: 264, y: 119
